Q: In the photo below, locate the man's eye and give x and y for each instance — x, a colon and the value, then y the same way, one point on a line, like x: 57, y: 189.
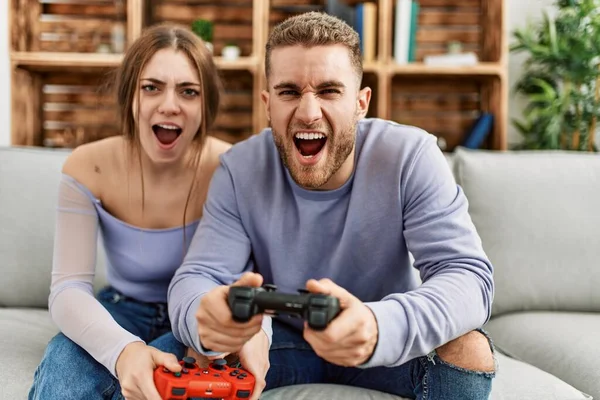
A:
x: 288, y: 93
x: 330, y: 91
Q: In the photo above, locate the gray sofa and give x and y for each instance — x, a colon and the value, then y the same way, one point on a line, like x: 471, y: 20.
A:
x: 537, y: 214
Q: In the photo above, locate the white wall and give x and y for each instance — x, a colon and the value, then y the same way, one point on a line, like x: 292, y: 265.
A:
x: 519, y: 12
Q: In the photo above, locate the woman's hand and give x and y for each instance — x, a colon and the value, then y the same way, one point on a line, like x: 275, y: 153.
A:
x: 135, y: 370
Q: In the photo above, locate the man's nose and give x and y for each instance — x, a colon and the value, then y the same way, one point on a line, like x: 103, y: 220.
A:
x: 309, y: 109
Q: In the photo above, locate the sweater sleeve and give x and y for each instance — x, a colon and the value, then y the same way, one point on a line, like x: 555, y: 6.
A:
x: 219, y: 254
x: 457, y: 290
x: 72, y: 305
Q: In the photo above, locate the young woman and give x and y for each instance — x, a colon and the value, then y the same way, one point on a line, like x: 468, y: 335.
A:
x: 144, y: 191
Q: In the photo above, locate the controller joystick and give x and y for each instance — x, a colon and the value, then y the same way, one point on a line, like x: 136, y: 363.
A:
x: 218, y: 381
x: 315, y: 308
x: 189, y: 362
x: 219, y: 363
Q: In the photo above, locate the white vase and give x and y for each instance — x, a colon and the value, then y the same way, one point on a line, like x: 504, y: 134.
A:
x: 231, y: 53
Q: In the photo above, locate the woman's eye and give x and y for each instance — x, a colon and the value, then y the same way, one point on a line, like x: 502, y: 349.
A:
x: 191, y: 92
x: 149, y: 88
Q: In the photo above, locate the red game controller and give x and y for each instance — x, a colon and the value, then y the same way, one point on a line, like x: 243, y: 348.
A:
x: 218, y: 381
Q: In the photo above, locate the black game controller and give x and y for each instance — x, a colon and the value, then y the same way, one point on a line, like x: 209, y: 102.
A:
x: 317, y: 309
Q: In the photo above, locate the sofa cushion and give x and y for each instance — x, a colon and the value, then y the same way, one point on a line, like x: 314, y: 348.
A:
x: 566, y: 345
x: 29, y: 180
x: 24, y: 334
x: 515, y: 380
x: 536, y: 213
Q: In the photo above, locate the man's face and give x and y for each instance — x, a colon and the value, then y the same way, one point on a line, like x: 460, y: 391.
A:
x: 313, y: 104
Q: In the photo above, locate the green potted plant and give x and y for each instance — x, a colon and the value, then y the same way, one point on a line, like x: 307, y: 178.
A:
x: 204, y: 29
x: 561, y: 78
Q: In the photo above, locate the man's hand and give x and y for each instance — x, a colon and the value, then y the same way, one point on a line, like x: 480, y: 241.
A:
x: 350, y: 339
x: 135, y: 370
x: 216, y: 328
x: 254, y: 357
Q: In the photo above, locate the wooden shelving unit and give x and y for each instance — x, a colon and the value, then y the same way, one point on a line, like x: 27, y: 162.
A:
x: 58, y: 77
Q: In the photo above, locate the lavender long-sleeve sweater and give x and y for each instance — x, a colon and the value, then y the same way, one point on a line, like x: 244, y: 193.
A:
x: 401, y: 198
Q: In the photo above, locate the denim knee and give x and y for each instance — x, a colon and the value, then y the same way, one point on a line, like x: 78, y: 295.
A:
x: 68, y: 372
x: 445, y: 381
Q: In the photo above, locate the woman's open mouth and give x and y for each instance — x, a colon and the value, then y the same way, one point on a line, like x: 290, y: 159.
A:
x: 166, y: 134
x: 309, y: 145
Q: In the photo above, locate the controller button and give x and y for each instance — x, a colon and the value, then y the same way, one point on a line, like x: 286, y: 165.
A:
x: 242, y: 309
x: 319, y: 301
x: 217, y: 375
x: 243, y: 394
x: 234, y: 373
x: 303, y: 291
x: 205, y: 371
x: 177, y: 374
x: 185, y: 370
x: 318, y: 318
x: 189, y: 362
x: 178, y: 391
x: 269, y: 287
x: 244, y: 374
x: 240, y: 377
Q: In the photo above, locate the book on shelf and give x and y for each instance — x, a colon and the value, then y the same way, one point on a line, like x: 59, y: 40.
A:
x: 406, y: 20
x: 365, y: 24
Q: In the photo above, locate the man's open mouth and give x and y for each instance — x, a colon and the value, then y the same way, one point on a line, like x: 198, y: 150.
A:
x: 166, y: 133
x: 309, y: 144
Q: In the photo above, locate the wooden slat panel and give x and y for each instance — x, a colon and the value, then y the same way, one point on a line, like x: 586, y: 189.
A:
x: 443, y: 21
x: 189, y: 12
x: 232, y: 20
x: 76, y: 26
x: 434, y: 103
x: 287, y: 3
x: 444, y: 106
x: 451, y: 3
x: 448, y: 17
x: 77, y: 108
x: 234, y: 122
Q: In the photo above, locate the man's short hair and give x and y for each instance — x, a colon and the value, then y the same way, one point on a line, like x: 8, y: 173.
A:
x: 315, y: 29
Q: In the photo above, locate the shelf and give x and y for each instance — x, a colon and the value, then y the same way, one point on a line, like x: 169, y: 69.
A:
x: 48, y: 61
x: 44, y: 61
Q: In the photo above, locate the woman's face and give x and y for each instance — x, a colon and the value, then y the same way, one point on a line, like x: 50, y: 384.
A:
x: 170, y: 106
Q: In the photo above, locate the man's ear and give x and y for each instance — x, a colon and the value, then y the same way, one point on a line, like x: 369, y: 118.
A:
x: 364, y: 98
x: 264, y: 95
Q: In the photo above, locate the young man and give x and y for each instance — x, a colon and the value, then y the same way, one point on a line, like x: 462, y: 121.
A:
x: 332, y: 202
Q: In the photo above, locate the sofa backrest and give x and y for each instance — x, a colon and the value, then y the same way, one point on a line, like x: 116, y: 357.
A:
x: 29, y: 180
x: 537, y: 213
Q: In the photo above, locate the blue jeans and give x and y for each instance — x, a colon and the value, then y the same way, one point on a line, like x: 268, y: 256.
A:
x: 426, y: 378
x: 68, y: 372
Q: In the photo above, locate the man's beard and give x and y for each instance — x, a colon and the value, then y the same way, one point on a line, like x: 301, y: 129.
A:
x: 339, y: 147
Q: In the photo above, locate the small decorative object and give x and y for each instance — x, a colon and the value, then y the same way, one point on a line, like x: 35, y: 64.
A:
x: 231, y: 52
x: 204, y: 29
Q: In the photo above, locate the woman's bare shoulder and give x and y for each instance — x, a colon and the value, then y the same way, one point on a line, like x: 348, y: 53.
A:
x: 90, y: 162
x: 212, y: 151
